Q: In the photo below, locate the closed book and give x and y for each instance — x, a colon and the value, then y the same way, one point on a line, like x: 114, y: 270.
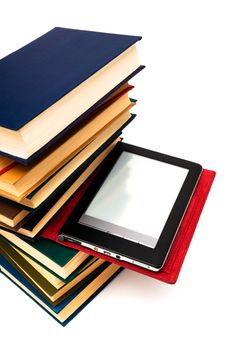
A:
x: 50, y: 292
x: 55, y: 80
x: 61, y: 260
x: 6, y: 164
x: 73, y: 304
x: 10, y: 214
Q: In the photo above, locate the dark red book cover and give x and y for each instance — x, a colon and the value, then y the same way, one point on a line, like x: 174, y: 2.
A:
x: 3, y: 170
x: 171, y: 269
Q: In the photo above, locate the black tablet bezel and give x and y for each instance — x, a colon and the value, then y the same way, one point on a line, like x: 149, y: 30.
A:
x: 154, y: 257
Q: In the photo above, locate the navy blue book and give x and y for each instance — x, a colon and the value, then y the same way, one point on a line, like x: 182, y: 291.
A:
x: 74, y: 303
x: 53, y: 83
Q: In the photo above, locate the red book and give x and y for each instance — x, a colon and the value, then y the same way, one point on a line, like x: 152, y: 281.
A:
x: 6, y: 164
x: 171, y: 269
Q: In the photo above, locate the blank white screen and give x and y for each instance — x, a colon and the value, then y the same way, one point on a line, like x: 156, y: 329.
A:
x: 138, y: 194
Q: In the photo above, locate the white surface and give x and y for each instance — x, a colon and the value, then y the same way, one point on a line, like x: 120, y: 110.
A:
x: 185, y: 109
x: 138, y: 195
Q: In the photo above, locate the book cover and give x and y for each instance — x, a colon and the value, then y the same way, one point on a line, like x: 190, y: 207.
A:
x: 54, y: 141
x: 42, y: 72
x: 6, y: 164
x: 58, y: 63
x: 10, y: 214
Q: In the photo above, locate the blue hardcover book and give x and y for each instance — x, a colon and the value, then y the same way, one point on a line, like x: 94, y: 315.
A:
x: 53, y: 83
x: 74, y: 303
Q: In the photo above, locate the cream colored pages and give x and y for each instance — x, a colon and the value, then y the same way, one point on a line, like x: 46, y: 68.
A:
x: 69, y: 168
x: 77, y: 161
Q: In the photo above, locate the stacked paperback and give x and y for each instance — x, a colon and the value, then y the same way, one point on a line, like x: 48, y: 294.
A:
x: 64, y: 102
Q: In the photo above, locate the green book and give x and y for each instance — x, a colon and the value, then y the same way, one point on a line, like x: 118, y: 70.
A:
x: 59, y: 254
x: 60, y: 260
x: 40, y: 281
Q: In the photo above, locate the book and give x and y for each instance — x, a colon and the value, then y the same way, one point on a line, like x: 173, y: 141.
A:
x: 68, y: 71
x: 6, y: 164
x: 50, y: 276
x: 72, y: 305
x: 20, y: 180
x: 172, y: 266
x: 49, y: 254
x: 58, y: 221
x: 10, y: 214
x: 55, y: 141
x: 38, y: 219
x: 54, y: 295
x: 76, y: 164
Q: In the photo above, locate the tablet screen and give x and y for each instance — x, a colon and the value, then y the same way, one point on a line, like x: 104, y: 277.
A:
x: 136, y: 198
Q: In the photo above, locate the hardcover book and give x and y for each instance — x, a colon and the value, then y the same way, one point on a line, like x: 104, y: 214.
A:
x: 6, y: 164
x: 55, y: 80
x: 60, y: 260
x: 26, y: 267
x: 10, y: 214
x: 73, y: 304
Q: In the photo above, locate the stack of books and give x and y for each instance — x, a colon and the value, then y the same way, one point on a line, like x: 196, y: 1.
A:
x: 63, y: 105
x: 64, y: 102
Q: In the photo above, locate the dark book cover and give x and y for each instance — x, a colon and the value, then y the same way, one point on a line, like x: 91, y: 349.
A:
x: 76, y: 123
x: 42, y: 72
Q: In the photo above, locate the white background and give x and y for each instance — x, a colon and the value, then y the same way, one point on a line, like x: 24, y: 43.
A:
x: 184, y: 108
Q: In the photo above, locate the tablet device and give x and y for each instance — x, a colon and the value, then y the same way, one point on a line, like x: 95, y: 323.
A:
x: 134, y: 208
